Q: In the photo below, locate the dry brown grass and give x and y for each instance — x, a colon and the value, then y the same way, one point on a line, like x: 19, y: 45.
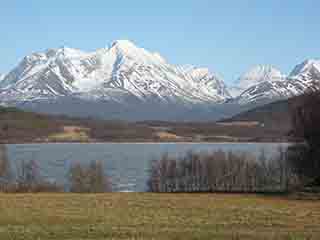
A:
x: 167, y: 136
x: 157, y: 216
x: 71, y: 133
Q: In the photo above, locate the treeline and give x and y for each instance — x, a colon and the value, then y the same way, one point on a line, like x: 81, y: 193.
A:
x: 82, y: 178
x: 222, y: 172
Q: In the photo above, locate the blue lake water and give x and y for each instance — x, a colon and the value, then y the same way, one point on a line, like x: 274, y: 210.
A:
x: 126, y: 163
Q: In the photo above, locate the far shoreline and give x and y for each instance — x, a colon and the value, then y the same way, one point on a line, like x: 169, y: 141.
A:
x: 149, y: 142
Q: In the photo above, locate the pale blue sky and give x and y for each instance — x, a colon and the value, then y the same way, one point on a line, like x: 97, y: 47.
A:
x: 226, y: 36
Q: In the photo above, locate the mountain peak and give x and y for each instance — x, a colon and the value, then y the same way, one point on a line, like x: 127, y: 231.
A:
x: 123, y: 68
x: 130, y: 51
x: 124, y: 44
x: 258, y: 74
x: 306, y: 66
x: 311, y: 61
x: 305, y: 76
x: 63, y: 51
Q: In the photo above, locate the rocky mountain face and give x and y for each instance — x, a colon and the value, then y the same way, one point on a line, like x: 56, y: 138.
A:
x: 124, y: 81
x: 307, y: 74
x: 275, y: 86
x: 255, y: 76
x: 107, y: 74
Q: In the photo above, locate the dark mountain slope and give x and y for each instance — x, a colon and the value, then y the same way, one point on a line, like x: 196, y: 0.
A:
x: 274, y: 115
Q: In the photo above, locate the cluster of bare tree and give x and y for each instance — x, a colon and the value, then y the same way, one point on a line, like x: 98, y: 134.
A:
x: 88, y: 178
x: 27, y: 177
x: 221, y: 172
x: 299, y: 165
x: 5, y: 170
x: 305, y: 157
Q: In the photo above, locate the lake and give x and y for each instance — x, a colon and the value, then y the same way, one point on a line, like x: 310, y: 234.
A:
x: 126, y: 163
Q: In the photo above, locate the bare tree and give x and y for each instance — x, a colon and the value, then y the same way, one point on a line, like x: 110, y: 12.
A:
x: 5, y: 169
x: 29, y: 179
x: 77, y: 178
x: 88, y: 178
x: 98, y: 180
x: 217, y: 171
x: 28, y: 176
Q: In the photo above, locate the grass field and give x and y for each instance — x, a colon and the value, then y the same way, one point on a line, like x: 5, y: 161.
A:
x: 156, y: 216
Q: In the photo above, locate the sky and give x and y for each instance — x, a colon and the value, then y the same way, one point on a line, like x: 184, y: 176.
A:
x: 228, y: 37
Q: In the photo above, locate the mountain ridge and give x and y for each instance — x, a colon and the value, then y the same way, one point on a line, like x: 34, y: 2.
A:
x: 304, y: 76
x: 254, y: 76
x: 123, y: 66
x: 124, y: 81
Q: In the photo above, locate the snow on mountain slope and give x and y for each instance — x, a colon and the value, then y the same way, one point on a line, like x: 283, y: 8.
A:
x: 147, y: 75
x: 304, y: 76
x: 267, y: 91
x: 122, y: 78
x: 258, y: 74
x: 1, y: 77
x: 123, y: 68
x: 206, y: 82
x: 255, y: 76
x: 40, y: 75
x: 306, y: 73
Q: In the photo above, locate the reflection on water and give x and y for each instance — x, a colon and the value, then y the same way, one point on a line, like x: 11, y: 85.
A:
x: 126, y: 163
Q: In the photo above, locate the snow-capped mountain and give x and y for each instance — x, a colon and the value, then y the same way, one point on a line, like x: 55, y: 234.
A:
x: 122, y: 69
x: 255, y: 76
x: 206, y: 82
x: 1, y: 77
x: 306, y: 73
x: 124, y: 81
x: 304, y: 76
